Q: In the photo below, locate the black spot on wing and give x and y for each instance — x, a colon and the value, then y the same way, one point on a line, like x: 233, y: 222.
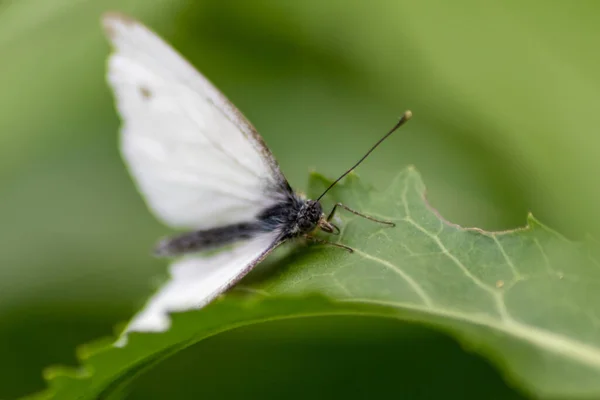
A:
x: 145, y: 92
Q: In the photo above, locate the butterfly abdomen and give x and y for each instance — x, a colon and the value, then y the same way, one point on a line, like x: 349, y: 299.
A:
x: 208, y: 239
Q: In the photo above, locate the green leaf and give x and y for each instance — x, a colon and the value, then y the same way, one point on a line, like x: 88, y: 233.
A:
x: 528, y: 299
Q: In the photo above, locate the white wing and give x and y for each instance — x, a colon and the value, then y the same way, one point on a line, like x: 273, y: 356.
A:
x: 196, y: 159
x: 195, y: 281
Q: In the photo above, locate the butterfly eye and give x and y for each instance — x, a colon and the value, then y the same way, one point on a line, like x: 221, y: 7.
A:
x: 314, y: 210
x: 306, y: 223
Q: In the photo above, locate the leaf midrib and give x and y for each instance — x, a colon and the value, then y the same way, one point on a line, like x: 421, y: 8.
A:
x: 542, y: 338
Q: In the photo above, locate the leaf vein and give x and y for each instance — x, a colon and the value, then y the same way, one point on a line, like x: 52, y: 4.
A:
x: 407, y: 278
x: 515, y: 271
x: 544, y: 255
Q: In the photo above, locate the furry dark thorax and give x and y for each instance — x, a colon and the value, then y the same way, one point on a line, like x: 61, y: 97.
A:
x: 294, y: 216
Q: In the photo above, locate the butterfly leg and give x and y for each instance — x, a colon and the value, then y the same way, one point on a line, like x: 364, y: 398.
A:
x: 332, y: 213
x: 321, y: 241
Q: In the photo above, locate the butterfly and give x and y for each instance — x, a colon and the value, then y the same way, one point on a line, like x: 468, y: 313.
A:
x: 201, y: 166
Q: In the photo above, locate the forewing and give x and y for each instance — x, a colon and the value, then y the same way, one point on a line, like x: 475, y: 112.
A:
x: 196, y: 280
x: 194, y: 156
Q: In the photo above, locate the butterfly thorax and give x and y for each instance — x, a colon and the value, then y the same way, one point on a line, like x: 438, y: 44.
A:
x: 293, y: 216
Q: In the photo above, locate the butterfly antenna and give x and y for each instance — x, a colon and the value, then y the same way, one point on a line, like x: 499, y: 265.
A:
x: 405, y: 117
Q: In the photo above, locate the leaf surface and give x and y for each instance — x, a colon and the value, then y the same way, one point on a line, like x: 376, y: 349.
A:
x: 528, y: 299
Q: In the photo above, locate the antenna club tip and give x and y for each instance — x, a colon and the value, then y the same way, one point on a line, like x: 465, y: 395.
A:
x: 407, y: 115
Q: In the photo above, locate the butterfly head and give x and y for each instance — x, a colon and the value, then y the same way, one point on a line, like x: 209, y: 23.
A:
x: 311, y: 216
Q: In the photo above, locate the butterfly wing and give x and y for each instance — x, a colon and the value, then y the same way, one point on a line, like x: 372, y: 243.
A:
x: 197, y: 280
x: 198, y: 162
x: 196, y: 159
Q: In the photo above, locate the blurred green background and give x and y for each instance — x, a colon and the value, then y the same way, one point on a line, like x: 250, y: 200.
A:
x: 505, y: 98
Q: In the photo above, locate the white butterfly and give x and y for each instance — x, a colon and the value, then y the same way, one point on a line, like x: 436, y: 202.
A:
x: 201, y: 166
